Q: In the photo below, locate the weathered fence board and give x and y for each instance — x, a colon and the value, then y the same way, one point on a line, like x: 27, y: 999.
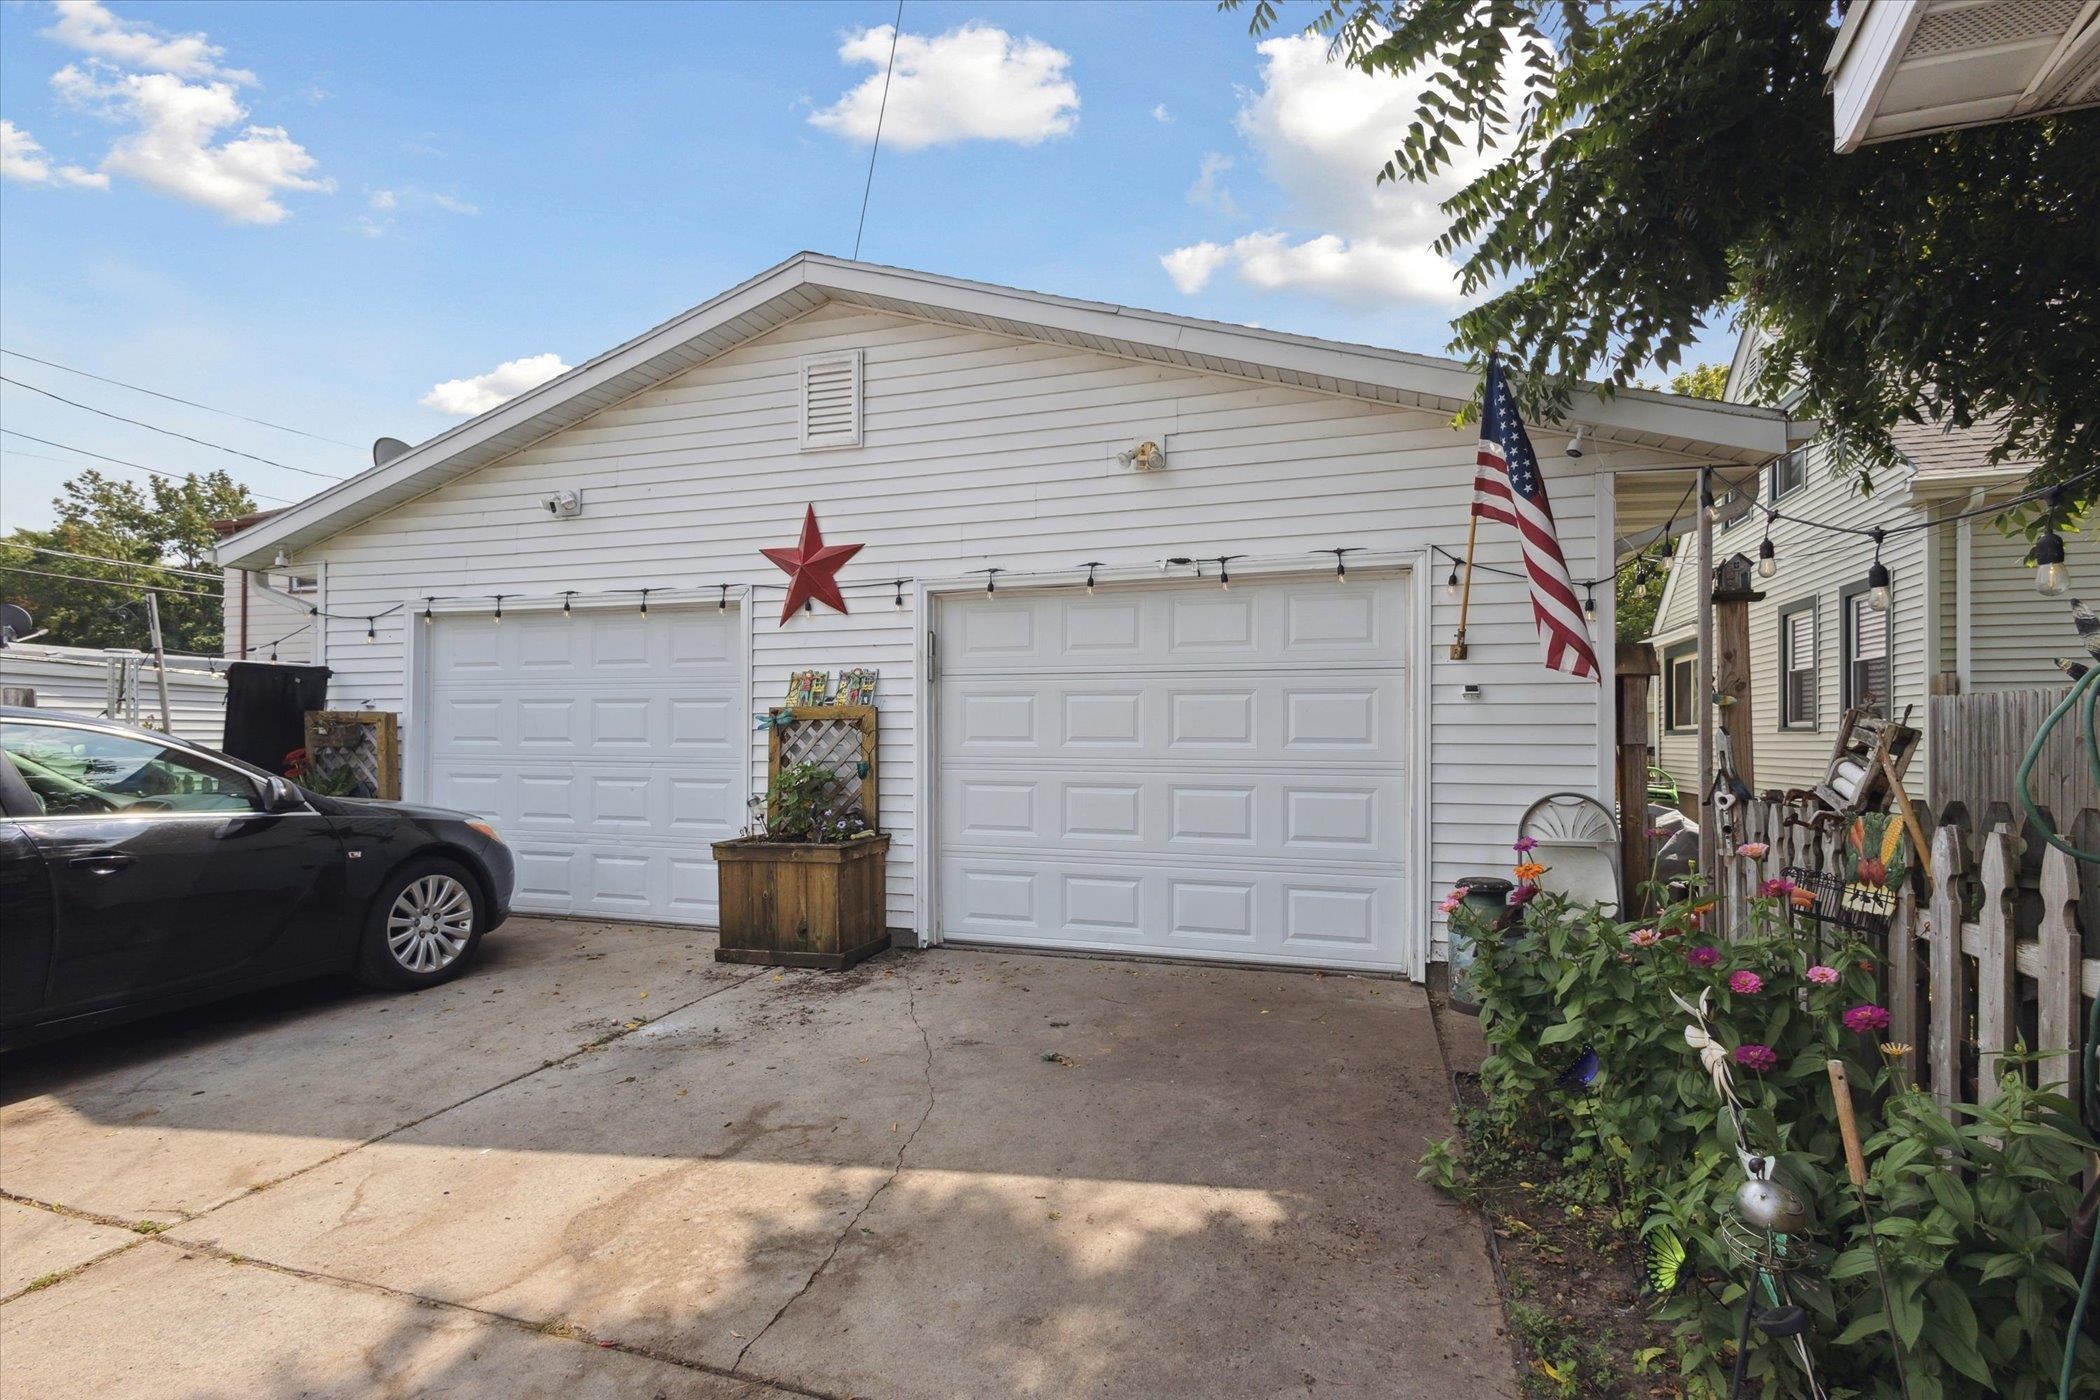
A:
x: 1977, y: 744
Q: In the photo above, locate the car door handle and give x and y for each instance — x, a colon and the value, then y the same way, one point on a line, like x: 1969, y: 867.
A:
x: 101, y: 863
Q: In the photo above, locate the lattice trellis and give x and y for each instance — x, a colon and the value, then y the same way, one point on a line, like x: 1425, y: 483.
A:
x: 841, y: 737
x: 364, y: 741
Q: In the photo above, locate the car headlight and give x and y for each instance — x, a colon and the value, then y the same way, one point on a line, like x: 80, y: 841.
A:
x: 486, y: 830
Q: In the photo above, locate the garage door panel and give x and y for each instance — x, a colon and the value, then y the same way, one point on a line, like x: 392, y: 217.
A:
x: 1179, y: 770
x: 607, y: 746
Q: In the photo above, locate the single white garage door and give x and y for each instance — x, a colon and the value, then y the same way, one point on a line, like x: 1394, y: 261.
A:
x: 1179, y: 770
x: 607, y: 746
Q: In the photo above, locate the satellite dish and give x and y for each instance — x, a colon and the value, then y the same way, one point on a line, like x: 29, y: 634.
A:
x: 14, y: 622
x: 386, y: 450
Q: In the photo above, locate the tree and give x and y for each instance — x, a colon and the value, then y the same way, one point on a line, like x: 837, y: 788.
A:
x: 1701, y: 381
x: 1654, y: 165
x: 163, y: 527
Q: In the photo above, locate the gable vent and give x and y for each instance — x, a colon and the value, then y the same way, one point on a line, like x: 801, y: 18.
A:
x: 831, y: 400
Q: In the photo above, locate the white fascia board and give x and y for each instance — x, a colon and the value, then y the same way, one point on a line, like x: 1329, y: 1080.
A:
x: 1862, y: 65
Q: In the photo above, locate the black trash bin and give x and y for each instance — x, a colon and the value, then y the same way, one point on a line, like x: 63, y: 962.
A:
x: 1488, y: 898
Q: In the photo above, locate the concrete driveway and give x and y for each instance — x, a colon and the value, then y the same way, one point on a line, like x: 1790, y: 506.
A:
x: 603, y: 1164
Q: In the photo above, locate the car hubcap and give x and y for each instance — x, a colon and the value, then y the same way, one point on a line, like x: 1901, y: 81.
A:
x: 430, y: 923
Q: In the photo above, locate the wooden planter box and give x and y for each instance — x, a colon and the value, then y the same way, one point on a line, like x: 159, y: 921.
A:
x: 787, y: 904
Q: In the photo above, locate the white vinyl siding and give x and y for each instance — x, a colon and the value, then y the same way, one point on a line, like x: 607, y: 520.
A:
x: 1866, y: 653
x: 985, y: 450
x: 2017, y: 634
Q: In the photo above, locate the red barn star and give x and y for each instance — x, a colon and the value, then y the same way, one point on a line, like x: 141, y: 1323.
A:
x: 813, y: 567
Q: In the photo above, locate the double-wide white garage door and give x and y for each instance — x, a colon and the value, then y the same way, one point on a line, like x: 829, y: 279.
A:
x: 1179, y: 770
x: 607, y: 746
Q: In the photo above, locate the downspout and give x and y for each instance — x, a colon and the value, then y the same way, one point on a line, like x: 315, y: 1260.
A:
x: 244, y: 614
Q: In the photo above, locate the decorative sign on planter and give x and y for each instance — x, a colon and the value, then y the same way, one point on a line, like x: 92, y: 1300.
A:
x: 812, y: 568
x: 353, y: 753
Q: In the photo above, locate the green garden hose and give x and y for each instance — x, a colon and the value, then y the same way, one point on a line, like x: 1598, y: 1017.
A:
x: 2087, y: 689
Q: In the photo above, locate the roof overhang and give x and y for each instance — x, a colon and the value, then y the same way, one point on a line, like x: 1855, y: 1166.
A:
x: 1909, y: 67
x: 1696, y: 432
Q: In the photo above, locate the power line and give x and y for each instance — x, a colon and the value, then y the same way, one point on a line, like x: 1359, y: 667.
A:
x: 99, y: 559
x: 171, y: 398
x: 135, y: 466
x: 170, y: 432
x: 882, y: 109
x: 110, y: 582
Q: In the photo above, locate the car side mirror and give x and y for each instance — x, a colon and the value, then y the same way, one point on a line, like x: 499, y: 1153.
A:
x: 281, y: 796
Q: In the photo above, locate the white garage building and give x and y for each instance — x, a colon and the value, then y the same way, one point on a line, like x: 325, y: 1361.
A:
x: 1287, y: 770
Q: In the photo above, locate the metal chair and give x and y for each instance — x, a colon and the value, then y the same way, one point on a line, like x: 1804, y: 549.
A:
x: 1578, y: 843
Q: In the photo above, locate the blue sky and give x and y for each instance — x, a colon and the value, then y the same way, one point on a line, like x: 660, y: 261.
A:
x: 326, y: 215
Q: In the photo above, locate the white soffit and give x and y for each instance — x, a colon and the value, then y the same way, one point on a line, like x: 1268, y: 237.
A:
x: 1910, y: 67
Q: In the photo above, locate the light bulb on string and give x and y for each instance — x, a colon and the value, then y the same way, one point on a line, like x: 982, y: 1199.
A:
x: 722, y: 603
x: 1224, y: 574
x: 1767, y: 560
x: 1341, y: 567
x: 428, y: 617
x: 1878, y: 577
x: 371, y: 632
x: 1589, y: 603
x: 567, y: 594
x: 645, y: 602
x: 1091, y: 565
x: 2051, y: 578
x: 1711, y: 506
x: 1451, y: 583
x: 499, y: 610
x: 898, y: 603
x: 991, y: 580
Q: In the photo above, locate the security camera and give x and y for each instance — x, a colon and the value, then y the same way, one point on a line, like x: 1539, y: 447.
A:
x: 1582, y: 431
x: 564, y: 505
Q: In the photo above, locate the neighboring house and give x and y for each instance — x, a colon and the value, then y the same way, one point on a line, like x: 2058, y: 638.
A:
x: 1962, y: 603
x: 1289, y: 771
x: 120, y: 684
x: 267, y: 610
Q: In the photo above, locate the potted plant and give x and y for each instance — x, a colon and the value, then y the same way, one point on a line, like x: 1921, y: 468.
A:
x: 807, y: 890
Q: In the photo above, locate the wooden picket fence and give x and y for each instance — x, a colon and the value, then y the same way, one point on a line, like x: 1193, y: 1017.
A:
x: 1989, y: 958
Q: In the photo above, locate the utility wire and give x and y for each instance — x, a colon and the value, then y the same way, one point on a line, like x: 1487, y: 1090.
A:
x: 99, y: 559
x: 170, y: 432
x: 135, y: 466
x: 171, y: 398
x: 881, y: 110
x: 110, y: 582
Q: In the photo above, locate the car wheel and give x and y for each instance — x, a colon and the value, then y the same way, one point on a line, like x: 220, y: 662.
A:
x: 423, y: 928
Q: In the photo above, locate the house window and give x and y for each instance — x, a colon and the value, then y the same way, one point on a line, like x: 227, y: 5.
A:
x: 1797, y: 665
x: 1866, y: 642
x: 1789, y: 472
x: 1681, y: 687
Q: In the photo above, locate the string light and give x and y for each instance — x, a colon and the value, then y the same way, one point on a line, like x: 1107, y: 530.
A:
x: 1224, y: 575
x: 899, y: 602
x: 499, y: 608
x: 566, y: 595
x: 371, y: 632
x: 1878, y: 576
x: 645, y: 601
x: 1451, y: 583
x: 2051, y: 578
x: 428, y: 616
x: 1589, y: 603
x: 722, y: 603
x: 1712, y: 507
x: 1341, y: 568
x: 1767, y: 561
x: 1091, y: 565
x: 991, y: 580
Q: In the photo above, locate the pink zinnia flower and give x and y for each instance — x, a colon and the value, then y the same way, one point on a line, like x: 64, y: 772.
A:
x: 1522, y: 895
x: 1745, y: 983
x: 1822, y: 976
x: 1861, y: 1020
x: 1704, y: 956
x: 1761, y: 1058
x: 1524, y: 844
x: 1755, y: 850
x: 1644, y: 938
x: 1451, y: 901
x: 1773, y: 889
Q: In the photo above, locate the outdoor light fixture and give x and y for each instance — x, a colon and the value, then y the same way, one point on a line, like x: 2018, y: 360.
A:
x: 1589, y: 604
x: 499, y: 610
x: 1878, y: 577
x: 1451, y: 583
x: 280, y: 561
x: 1341, y: 567
x: 900, y: 595
x: 2051, y: 578
x: 1711, y: 506
x: 1767, y: 562
x: 371, y: 634
x: 1225, y: 576
x: 427, y: 618
x: 1582, y: 432
x: 645, y: 602
x: 1091, y: 565
x: 722, y: 603
x: 567, y: 594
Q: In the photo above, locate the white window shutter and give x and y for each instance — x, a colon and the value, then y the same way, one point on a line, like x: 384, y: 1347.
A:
x: 830, y: 400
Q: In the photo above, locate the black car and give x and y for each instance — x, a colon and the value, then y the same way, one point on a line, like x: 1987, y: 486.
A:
x: 140, y: 871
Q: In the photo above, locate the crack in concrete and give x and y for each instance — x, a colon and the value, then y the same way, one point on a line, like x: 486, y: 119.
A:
x: 911, y: 1006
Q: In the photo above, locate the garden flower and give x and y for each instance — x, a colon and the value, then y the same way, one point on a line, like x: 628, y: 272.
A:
x: 1822, y: 976
x: 1755, y: 850
x: 1758, y: 1057
x: 1803, y: 898
x: 1893, y: 1050
x: 1451, y: 902
x: 1774, y: 889
x: 1529, y: 871
x: 1745, y: 983
x: 1525, y: 845
x: 1644, y: 938
x: 1704, y: 956
x: 1522, y: 895
x: 1862, y: 1019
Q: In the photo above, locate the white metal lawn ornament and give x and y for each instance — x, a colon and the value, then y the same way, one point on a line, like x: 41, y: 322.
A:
x: 1713, y: 1056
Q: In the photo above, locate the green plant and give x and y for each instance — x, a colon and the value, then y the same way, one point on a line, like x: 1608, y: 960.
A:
x: 806, y: 802
x: 1969, y: 1209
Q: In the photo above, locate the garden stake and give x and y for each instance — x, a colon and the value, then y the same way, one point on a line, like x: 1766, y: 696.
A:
x: 1856, y: 1169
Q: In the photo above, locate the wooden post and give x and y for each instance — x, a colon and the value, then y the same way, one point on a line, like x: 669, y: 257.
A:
x: 1950, y: 973
x: 1732, y: 680
x: 1902, y: 969
x: 1634, y: 667
x: 2059, y: 1027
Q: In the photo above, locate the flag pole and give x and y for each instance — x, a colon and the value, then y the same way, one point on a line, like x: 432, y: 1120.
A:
x: 1465, y: 595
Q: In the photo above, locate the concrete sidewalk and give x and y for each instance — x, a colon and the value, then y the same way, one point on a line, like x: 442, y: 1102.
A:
x: 603, y: 1163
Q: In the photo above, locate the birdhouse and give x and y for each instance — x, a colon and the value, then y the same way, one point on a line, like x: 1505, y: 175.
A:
x: 1732, y: 578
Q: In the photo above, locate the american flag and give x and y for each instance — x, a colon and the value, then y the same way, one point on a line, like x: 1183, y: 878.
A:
x: 1508, y: 486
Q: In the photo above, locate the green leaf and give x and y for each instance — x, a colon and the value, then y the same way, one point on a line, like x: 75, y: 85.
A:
x: 1565, y: 1031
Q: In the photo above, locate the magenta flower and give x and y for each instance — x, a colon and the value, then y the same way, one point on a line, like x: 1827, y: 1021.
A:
x: 1704, y: 956
x: 1761, y: 1058
x: 1862, y: 1020
x: 1822, y: 976
x: 1523, y: 845
x: 1522, y: 895
x: 1777, y: 888
x: 1745, y: 983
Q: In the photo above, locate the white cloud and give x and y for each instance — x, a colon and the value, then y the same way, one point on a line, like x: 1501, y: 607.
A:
x: 467, y: 397
x: 22, y: 158
x: 1161, y: 115
x: 453, y: 204
x: 179, y: 142
x: 383, y: 201
x: 90, y: 27
x: 1321, y: 130
x: 382, y: 207
x: 1207, y: 190
x: 974, y: 83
